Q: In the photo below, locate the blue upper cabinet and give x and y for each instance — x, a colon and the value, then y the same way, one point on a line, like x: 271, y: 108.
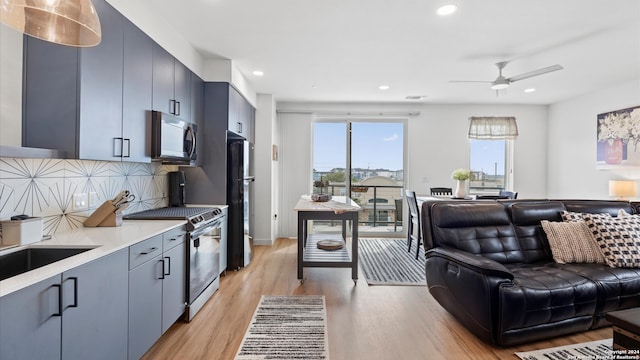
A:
x: 171, y: 85
x: 137, y: 91
x: 95, y: 103
x: 100, y: 118
x: 90, y: 103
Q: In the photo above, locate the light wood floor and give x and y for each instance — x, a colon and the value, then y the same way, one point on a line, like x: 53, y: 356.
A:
x: 364, y: 322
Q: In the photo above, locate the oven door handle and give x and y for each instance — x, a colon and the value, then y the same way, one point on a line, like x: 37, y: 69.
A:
x: 198, y: 232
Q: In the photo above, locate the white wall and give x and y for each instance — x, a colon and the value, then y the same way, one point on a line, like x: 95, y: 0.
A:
x: 263, y: 199
x: 10, y: 87
x: 438, y: 144
x: 572, y: 171
x: 294, y: 167
x: 436, y: 140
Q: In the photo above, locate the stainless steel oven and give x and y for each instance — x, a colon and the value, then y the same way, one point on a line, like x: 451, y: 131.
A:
x: 204, y: 226
x: 203, y: 265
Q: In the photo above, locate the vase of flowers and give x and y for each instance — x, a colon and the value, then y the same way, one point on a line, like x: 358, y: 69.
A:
x: 613, y: 151
x: 461, y: 175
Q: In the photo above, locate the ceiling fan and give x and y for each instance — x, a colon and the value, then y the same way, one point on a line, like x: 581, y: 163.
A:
x: 502, y: 82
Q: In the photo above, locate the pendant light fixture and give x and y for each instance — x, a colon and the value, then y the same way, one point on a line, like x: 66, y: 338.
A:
x: 66, y: 22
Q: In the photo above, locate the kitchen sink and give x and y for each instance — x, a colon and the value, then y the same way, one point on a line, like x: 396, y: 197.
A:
x: 21, y: 261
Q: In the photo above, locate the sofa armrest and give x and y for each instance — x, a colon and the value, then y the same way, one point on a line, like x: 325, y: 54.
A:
x: 468, y: 286
x: 477, y: 263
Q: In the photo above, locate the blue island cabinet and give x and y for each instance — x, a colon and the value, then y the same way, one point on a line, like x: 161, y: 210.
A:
x: 80, y: 314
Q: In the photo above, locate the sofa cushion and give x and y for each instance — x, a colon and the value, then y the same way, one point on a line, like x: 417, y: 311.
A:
x: 618, y: 238
x: 618, y: 288
x: 526, y: 217
x: 571, y: 242
x: 482, y: 229
x: 541, y: 294
x: 610, y: 207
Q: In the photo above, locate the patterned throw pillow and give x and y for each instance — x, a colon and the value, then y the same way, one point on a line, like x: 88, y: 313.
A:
x: 571, y: 216
x: 618, y: 239
x: 571, y: 242
x: 578, y: 216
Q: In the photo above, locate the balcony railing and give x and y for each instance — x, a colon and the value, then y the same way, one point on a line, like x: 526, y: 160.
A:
x: 377, y: 201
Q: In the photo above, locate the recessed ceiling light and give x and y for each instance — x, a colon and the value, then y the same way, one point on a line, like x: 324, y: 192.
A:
x: 383, y: 87
x: 529, y: 90
x: 447, y: 9
x: 258, y: 73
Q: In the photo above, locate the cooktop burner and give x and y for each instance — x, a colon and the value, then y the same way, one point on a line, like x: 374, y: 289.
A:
x: 170, y: 213
x: 196, y: 216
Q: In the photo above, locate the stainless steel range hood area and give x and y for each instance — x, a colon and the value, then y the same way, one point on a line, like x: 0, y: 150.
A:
x: 28, y: 152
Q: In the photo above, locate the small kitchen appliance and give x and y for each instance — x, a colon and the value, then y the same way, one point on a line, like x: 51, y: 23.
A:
x: 173, y: 140
x: 176, y: 189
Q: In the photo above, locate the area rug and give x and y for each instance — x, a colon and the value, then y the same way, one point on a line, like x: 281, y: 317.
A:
x: 287, y: 327
x: 600, y: 349
x: 387, y: 262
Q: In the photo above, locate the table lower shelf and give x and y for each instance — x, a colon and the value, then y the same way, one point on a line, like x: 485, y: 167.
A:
x: 314, y: 257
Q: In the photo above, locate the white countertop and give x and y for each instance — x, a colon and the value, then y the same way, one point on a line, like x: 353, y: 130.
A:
x: 106, y: 240
x: 337, y: 204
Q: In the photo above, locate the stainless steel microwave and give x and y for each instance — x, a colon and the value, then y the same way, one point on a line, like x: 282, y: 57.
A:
x: 173, y: 140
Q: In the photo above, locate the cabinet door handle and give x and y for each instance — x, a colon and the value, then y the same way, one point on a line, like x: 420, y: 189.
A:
x: 239, y: 127
x: 147, y: 252
x: 163, y: 274
x: 178, y: 108
x: 172, y: 107
x: 168, y: 266
x: 75, y: 292
x: 117, y: 147
x: 59, y: 313
x: 128, y: 142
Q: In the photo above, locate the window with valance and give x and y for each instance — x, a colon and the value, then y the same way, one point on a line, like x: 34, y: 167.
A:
x: 493, y: 128
x: 491, y: 153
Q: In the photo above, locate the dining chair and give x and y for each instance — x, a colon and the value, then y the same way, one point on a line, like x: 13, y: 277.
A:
x: 398, y: 214
x: 441, y: 191
x: 508, y: 194
x: 414, y: 221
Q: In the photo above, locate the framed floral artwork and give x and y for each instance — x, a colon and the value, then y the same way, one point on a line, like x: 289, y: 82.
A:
x: 618, y: 138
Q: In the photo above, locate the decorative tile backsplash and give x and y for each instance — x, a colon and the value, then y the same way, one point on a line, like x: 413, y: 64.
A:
x: 45, y: 188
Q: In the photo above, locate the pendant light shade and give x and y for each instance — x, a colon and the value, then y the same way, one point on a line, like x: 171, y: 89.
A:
x: 66, y: 22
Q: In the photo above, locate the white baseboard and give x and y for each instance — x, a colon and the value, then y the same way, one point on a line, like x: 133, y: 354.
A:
x: 268, y: 242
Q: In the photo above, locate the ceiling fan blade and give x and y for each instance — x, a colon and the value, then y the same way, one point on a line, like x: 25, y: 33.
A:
x: 533, y: 73
x: 469, y: 81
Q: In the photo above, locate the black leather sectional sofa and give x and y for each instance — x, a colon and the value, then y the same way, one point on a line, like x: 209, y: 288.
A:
x: 489, y: 264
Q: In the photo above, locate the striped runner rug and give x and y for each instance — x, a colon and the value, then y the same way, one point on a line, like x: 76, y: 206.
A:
x: 287, y: 327
x: 599, y: 349
x: 387, y: 262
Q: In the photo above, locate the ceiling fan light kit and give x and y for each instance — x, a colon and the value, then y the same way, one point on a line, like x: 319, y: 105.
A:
x: 500, y: 84
x: 66, y: 22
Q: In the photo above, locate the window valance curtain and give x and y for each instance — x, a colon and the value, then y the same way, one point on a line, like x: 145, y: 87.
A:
x: 493, y: 127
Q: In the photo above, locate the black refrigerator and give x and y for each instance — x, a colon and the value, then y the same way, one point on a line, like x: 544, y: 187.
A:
x: 239, y: 192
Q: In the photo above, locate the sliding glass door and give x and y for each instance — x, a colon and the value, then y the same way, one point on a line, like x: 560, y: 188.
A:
x: 363, y: 160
